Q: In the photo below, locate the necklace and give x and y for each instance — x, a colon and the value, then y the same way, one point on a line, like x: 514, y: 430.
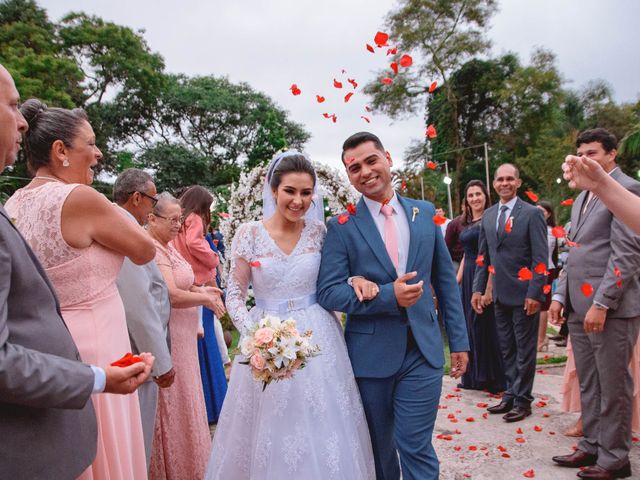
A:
x: 45, y: 177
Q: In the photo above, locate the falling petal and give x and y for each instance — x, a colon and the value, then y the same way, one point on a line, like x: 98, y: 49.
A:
x: 392, y: 51
x: 480, y: 260
x: 366, y: 119
x: 255, y: 264
x: 567, y: 203
x: 541, y: 269
x: 351, y: 208
x: 319, y: 98
x: 619, y: 283
x: 403, y: 186
x: 295, y: 90
x: 524, y: 274
x: 353, y: 83
x: 368, y: 108
x: 431, y: 132
x: 394, y: 67
x: 520, y: 440
x: 433, y: 87
x: 586, y: 289
x: 532, y: 196
x: 342, y: 219
x: 492, y: 269
x: 617, y: 272
x: 370, y: 48
x: 406, y: 61
x: 387, y: 81
x: 431, y: 165
x: 558, y: 232
x: 546, y: 289
x: 348, y: 96
x: 439, y: 219
x: 337, y: 84
x: 381, y: 39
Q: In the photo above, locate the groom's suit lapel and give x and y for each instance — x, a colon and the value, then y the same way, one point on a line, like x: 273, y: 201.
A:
x: 364, y: 222
x: 414, y: 224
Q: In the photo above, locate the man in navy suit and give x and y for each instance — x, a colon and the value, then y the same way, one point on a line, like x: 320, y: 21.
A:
x: 393, y: 339
x: 513, y: 236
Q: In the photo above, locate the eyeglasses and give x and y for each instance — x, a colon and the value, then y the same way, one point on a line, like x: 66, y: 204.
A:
x: 154, y: 200
x: 173, y: 221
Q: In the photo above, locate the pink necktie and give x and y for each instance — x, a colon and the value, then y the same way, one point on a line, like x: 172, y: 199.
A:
x: 390, y: 234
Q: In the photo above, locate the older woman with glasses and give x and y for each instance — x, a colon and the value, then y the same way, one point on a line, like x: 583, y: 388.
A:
x: 181, y: 438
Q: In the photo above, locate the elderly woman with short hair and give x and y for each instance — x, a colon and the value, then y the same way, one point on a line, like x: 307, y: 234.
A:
x: 181, y: 439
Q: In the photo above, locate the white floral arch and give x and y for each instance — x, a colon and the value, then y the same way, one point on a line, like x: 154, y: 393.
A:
x: 245, y: 202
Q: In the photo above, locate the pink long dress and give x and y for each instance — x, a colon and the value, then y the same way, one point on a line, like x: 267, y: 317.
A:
x: 571, y: 387
x: 85, y: 282
x: 181, y: 440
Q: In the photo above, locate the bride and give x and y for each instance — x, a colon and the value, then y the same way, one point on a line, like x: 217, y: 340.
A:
x: 313, y: 425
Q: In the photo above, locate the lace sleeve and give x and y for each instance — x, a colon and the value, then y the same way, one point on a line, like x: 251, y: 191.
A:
x: 239, y: 278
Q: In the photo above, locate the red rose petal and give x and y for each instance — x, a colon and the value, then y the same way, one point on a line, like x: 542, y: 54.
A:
x: 546, y: 289
x: 470, y: 419
x: 567, y: 203
x: 255, y: 264
x: 439, y: 219
x: 519, y: 431
x: 370, y: 48
x: 392, y: 51
x: 524, y: 274
x: 381, y: 39
x: 492, y: 269
x: 617, y: 272
x: 520, y: 440
x: 473, y: 448
x: 353, y: 83
x: 348, y: 96
x: 537, y: 428
x: 337, y: 84
x: 558, y: 232
x: 431, y: 165
x: 586, y: 289
x: 351, y: 208
x: 482, y: 405
x: 368, y: 108
x: 433, y: 87
x: 406, y: 61
x: 366, y: 119
x: 319, y: 98
x: 295, y: 90
x: 529, y: 474
x: 394, y: 67
x: 431, y: 132
x: 480, y: 260
x: 387, y: 81
x: 126, y: 360
x: 509, y: 226
x: 342, y: 219
x: 532, y: 196
x: 541, y: 269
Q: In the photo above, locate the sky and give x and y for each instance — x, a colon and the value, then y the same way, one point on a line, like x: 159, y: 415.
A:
x: 272, y: 44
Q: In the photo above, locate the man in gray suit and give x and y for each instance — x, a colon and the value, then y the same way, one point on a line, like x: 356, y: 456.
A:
x: 599, y: 290
x: 513, y: 239
x: 47, y: 423
x: 146, y: 299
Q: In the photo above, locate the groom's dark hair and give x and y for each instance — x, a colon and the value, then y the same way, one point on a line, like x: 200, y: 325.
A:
x: 358, y: 138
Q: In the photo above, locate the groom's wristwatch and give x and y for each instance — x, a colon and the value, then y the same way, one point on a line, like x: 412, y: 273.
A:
x: 350, y: 279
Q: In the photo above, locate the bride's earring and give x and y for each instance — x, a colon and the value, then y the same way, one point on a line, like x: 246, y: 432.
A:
x: 65, y: 162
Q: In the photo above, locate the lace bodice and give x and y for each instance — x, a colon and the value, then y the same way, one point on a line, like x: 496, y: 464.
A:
x: 79, y: 275
x: 257, y: 260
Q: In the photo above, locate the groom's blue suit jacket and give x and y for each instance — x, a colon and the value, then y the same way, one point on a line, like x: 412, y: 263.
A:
x: 376, y: 330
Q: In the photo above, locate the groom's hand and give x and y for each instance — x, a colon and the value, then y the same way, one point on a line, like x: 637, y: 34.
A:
x: 407, y: 295
x: 459, y: 361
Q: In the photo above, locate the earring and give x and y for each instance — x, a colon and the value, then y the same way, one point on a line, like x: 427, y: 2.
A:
x: 65, y: 162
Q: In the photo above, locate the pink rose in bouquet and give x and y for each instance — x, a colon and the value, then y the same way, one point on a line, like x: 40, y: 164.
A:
x: 263, y: 336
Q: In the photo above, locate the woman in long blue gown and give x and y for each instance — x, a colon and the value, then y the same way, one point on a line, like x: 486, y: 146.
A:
x: 214, y: 382
x: 485, y: 370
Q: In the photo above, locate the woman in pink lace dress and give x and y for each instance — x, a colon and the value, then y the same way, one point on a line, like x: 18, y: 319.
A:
x: 181, y: 440
x: 81, y: 239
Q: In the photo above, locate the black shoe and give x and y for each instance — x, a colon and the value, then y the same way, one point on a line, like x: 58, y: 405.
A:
x: 517, y: 414
x: 503, y: 407
x: 598, y: 473
x: 557, y: 338
x: 576, y: 460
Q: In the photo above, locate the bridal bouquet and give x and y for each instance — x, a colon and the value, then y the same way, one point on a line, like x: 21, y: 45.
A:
x: 274, y: 349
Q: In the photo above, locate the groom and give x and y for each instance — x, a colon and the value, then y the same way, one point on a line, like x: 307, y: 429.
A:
x: 394, y: 340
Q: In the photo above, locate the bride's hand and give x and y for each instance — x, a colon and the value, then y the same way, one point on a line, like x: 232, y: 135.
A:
x: 364, y: 289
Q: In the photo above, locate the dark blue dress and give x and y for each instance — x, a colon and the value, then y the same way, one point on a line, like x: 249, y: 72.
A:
x: 214, y: 382
x: 485, y: 370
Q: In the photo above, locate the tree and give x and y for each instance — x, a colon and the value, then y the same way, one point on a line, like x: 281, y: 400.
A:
x: 224, y: 126
x: 445, y: 33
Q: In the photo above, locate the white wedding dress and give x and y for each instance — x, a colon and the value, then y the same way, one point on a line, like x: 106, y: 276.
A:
x: 313, y: 425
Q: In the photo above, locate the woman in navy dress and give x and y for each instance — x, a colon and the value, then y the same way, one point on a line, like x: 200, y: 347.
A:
x: 485, y: 370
